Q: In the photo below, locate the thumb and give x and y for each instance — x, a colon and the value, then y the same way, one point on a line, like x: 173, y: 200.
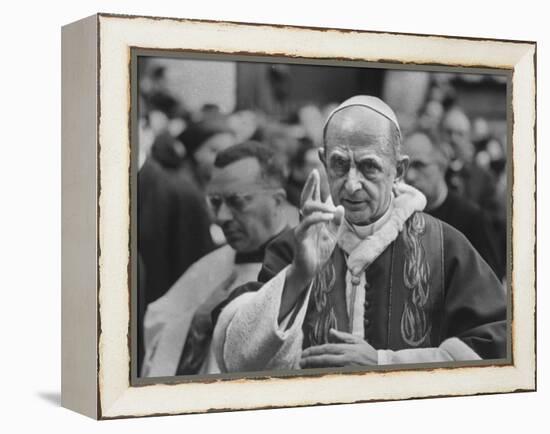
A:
x: 346, y: 338
x: 339, y: 215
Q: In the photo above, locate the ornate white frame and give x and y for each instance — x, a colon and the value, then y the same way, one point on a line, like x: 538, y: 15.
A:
x: 96, y: 217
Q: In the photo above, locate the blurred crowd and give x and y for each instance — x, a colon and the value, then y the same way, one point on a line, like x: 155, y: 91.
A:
x: 473, y: 161
x: 459, y: 163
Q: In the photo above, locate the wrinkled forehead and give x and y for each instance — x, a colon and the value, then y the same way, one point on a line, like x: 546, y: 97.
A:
x: 358, y: 129
x: 239, y: 176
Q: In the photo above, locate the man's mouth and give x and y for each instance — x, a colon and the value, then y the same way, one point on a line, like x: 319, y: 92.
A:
x: 231, y: 234
x: 354, y: 204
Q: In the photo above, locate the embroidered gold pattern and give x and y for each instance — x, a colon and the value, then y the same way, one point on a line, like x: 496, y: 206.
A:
x: 415, y: 327
x: 322, y: 317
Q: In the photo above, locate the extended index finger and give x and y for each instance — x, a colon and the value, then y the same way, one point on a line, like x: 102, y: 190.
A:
x: 311, y: 188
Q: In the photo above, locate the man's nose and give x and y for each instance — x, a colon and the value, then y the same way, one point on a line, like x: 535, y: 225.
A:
x: 223, y: 214
x: 353, y: 182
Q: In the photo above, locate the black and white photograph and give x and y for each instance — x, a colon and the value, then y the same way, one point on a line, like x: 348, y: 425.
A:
x: 301, y: 218
x: 286, y: 217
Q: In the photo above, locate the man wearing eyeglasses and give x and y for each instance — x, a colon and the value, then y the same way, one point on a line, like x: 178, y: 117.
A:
x: 366, y: 278
x: 248, y: 201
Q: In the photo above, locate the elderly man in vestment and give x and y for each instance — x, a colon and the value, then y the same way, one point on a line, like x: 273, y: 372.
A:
x: 366, y: 278
x: 247, y: 198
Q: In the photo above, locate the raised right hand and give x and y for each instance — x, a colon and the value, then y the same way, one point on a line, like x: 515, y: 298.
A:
x: 316, y: 235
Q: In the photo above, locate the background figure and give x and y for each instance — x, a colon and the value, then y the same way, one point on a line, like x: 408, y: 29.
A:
x: 247, y: 197
x: 156, y: 92
x: 304, y: 162
x: 203, y: 140
x: 426, y: 172
x: 465, y: 176
x: 172, y: 216
x: 429, y: 118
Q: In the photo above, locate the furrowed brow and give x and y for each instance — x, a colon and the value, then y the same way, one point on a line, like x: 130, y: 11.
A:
x: 338, y: 153
x: 377, y: 161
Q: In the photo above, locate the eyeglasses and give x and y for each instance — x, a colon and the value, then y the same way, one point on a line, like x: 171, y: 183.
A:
x: 236, y: 202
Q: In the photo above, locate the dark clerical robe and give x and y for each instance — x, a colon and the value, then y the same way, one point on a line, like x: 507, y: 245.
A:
x: 469, y: 219
x: 429, y: 296
x: 173, y: 227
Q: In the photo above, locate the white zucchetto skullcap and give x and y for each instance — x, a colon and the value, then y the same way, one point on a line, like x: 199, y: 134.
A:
x: 369, y: 102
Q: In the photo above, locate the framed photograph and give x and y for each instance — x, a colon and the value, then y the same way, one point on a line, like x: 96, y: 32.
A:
x: 260, y: 216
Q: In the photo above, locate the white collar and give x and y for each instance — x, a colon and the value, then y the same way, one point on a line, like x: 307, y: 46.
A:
x: 364, y: 231
x: 363, y: 251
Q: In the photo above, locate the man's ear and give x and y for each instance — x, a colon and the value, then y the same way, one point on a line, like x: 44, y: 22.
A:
x: 401, y: 167
x: 321, y: 152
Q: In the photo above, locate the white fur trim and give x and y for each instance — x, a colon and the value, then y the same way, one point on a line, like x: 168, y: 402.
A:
x: 450, y: 350
x: 362, y: 253
x: 248, y: 336
x: 167, y: 320
x: 357, y: 312
x: 458, y: 350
